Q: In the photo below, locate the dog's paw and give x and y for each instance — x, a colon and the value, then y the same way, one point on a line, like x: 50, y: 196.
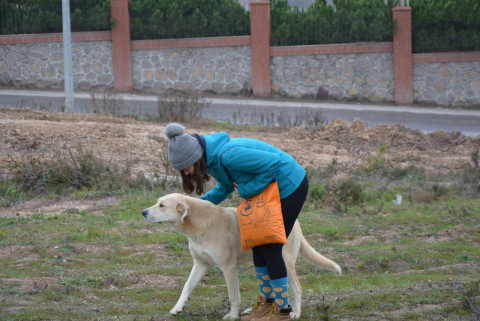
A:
x: 231, y: 316
x: 295, y: 315
x: 247, y: 311
x: 176, y: 311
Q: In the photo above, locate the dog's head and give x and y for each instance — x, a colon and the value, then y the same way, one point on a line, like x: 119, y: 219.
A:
x: 171, y: 208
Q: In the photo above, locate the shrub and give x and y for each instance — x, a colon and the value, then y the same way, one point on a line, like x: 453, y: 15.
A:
x: 421, y: 195
x: 108, y: 102
x: 321, y: 23
x: 165, y: 175
x: 42, y: 16
x: 344, y: 193
x: 67, y: 170
x: 181, y: 106
x: 450, y: 25
x: 439, y: 190
x: 311, y: 118
x: 316, y: 193
x: 165, y: 19
x: 377, y: 164
x: 9, y: 193
x: 470, y: 302
x: 469, y: 178
x: 411, y: 172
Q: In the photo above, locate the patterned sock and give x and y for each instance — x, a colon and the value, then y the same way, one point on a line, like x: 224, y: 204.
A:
x: 263, y: 281
x: 280, y: 290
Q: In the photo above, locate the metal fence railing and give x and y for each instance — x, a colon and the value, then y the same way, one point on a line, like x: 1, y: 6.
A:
x: 437, y: 26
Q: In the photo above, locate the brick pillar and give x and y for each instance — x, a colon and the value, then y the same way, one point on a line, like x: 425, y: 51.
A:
x: 260, y: 42
x: 402, y: 56
x: 122, y: 59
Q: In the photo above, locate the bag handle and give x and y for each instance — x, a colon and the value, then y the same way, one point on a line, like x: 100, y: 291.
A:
x: 224, y: 168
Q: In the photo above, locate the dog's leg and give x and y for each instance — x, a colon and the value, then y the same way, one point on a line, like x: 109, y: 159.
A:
x: 233, y: 286
x: 198, y: 271
x: 296, y: 292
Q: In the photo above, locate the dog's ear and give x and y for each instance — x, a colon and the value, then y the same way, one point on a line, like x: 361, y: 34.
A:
x: 183, y: 209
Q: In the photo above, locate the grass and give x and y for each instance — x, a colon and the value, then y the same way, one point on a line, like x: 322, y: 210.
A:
x: 404, y: 263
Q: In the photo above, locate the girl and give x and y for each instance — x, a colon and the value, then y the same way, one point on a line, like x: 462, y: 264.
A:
x: 252, y: 165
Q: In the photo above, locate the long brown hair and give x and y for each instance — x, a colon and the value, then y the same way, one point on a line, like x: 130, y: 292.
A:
x: 195, y: 181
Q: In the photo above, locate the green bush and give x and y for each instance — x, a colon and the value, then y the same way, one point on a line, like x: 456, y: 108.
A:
x: 437, y: 26
x: 469, y: 178
x: 451, y: 25
x: 316, y: 193
x: 344, y: 193
x: 45, y: 16
x: 377, y: 164
x: 9, y: 193
x: 410, y: 172
x: 320, y: 23
x: 166, y: 19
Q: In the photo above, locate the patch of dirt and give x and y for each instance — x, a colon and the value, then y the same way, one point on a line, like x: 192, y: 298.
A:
x: 18, y: 252
x: 24, y: 132
x: 449, y: 268
x: 362, y: 239
x: 30, y: 285
x: 49, y: 207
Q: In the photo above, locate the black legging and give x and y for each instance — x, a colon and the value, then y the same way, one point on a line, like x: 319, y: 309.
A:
x: 270, y: 255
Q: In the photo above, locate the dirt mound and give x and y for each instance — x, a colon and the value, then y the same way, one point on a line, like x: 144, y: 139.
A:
x: 389, y: 135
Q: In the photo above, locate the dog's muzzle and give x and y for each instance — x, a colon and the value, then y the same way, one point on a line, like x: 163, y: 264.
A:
x: 145, y: 213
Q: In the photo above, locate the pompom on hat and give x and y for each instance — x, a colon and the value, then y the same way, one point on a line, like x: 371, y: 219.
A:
x: 183, y: 149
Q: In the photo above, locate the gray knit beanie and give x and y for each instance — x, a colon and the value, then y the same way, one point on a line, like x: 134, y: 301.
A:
x: 183, y: 149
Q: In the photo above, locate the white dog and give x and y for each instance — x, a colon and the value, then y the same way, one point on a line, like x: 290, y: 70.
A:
x: 214, y: 239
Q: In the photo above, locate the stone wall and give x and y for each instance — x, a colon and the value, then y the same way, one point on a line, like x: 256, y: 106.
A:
x: 454, y: 84
x: 40, y: 66
x: 228, y: 70
x: 219, y: 70
x: 359, y: 77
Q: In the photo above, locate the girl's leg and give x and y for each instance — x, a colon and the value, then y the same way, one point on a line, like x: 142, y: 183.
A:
x: 269, y: 257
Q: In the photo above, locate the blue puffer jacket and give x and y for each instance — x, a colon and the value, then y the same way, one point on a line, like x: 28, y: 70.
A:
x: 252, y: 164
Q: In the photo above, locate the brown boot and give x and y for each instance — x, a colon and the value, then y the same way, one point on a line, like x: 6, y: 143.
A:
x: 260, y: 308
x: 275, y: 314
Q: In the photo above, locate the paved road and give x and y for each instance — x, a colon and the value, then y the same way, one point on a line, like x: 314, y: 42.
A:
x: 424, y: 119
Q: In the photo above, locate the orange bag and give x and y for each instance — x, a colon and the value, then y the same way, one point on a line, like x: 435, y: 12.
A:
x: 260, y: 219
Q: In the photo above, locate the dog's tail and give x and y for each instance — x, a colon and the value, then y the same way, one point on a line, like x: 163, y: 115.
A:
x: 312, y: 256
